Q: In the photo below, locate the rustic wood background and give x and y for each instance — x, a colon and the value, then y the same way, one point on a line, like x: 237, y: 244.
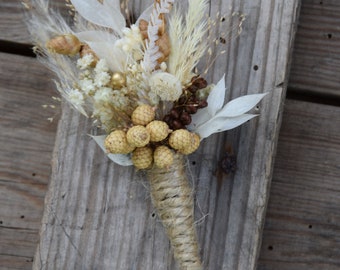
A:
x: 301, y: 230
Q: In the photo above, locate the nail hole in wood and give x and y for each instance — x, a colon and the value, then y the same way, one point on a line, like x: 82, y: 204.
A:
x: 255, y: 67
x: 270, y: 248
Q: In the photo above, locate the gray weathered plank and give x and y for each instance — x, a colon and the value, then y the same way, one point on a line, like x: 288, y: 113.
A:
x: 26, y: 142
x: 12, y: 20
x: 302, y: 224
x: 316, y: 58
x: 99, y: 215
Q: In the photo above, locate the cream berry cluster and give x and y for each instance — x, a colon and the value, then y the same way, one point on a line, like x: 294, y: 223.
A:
x: 151, y: 141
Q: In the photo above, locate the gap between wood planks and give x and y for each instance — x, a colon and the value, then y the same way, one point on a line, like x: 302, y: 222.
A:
x: 16, y: 48
x: 292, y: 93
x: 313, y: 97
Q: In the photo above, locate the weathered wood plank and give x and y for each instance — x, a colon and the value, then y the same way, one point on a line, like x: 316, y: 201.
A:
x: 26, y: 142
x: 316, y: 58
x: 99, y: 215
x: 302, y: 224
x: 12, y: 20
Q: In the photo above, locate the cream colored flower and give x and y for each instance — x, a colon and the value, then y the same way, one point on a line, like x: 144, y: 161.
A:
x: 166, y: 86
x: 102, y: 78
x: 87, y: 86
x: 85, y: 61
x: 76, y: 97
x: 101, y: 66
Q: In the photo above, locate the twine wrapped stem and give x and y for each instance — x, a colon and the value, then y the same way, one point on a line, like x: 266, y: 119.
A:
x: 172, y: 197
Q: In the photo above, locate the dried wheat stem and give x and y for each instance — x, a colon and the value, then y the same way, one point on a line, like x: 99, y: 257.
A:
x: 172, y: 197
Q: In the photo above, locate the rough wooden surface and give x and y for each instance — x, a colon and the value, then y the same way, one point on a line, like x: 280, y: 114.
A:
x: 316, y: 60
x: 99, y: 216
x: 26, y: 142
x: 302, y: 228
x: 12, y: 20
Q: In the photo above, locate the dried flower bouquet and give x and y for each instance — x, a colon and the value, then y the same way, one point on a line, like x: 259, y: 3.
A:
x: 140, y: 85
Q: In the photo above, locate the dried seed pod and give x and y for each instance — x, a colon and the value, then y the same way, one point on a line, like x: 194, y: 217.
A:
x: 118, y: 80
x: 192, y: 108
x: 202, y: 104
x: 64, y: 44
x: 85, y: 50
x: 176, y: 124
x: 143, y: 115
x: 158, y: 130
x: 167, y: 118
x: 180, y: 139
x: 192, y: 89
x: 193, y: 146
x: 138, y: 136
x: 185, y: 118
x: 163, y: 156
x: 182, y: 100
x: 116, y: 143
x: 175, y: 113
x: 164, y: 47
x: 142, y: 157
x: 200, y: 83
x: 143, y: 27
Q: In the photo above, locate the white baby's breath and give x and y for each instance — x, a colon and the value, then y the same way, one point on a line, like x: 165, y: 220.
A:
x: 102, y: 78
x: 131, y: 42
x: 85, y: 61
x: 103, y: 94
x: 76, y: 97
x: 87, y: 86
x: 101, y: 66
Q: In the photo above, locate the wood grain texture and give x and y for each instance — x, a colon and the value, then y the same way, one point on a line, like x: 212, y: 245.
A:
x: 99, y: 215
x: 302, y: 228
x: 12, y: 20
x: 26, y: 142
x: 316, y: 58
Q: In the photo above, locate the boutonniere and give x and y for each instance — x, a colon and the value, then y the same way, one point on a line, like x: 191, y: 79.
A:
x: 141, y: 85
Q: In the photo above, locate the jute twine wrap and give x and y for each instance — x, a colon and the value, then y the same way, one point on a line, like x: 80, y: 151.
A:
x: 172, y: 197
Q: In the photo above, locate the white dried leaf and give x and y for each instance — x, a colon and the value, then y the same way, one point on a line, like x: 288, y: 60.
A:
x: 220, y: 124
x: 107, y: 14
x: 215, y: 102
x: 145, y: 14
x: 240, y: 105
x: 216, y: 97
x: 214, y: 118
x: 104, y: 46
